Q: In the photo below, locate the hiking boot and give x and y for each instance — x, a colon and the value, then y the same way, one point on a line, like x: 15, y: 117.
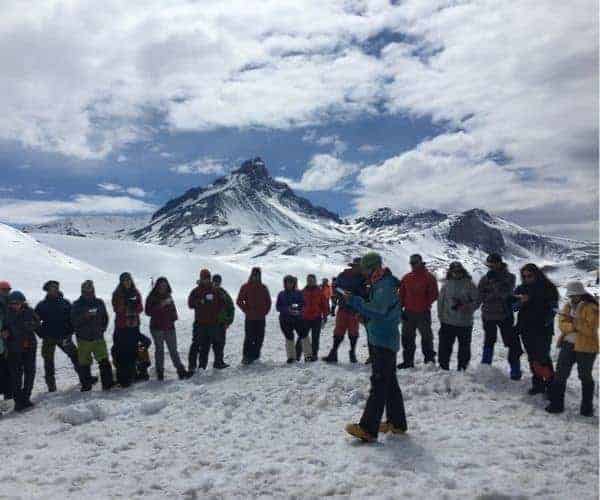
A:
x: 291, y: 361
x: 160, y: 375
x: 352, y: 356
x: 551, y: 408
x: 386, y: 427
x: 357, y: 431
x: 220, y: 366
x: 405, y: 365
x: 331, y: 357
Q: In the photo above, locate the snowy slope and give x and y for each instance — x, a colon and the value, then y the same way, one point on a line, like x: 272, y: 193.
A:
x: 271, y: 430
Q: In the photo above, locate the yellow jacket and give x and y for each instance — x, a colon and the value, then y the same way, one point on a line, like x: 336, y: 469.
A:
x: 584, y: 325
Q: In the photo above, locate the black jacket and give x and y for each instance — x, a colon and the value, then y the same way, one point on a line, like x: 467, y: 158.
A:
x: 537, y: 314
x: 89, y: 318
x: 55, y: 315
x: 21, y: 330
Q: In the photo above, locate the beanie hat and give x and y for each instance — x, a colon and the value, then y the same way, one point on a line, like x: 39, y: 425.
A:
x: 575, y: 288
x: 204, y: 274
x: 87, y: 285
x: 370, y: 261
x: 50, y: 284
x: 16, y: 296
x: 5, y: 285
x: 125, y: 276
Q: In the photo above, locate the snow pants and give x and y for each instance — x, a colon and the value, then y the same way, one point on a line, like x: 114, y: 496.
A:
x: 22, y: 375
x: 413, y: 322
x: 254, y: 336
x: 447, y: 335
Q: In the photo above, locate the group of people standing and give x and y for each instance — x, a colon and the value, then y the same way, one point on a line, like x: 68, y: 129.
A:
x: 366, y: 292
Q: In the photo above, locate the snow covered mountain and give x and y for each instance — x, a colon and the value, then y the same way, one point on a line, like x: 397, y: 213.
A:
x: 105, y: 226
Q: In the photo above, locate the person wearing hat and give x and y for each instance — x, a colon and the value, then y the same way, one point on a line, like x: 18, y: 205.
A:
x: 5, y: 384
x: 456, y: 305
x: 127, y: 305
x: 346, y: 320
x: 226, y: 317
x: 382, y: 312
x: 578, y: 343
x: 55, y: 331
x: 254, y: 299
x: 495, y: 291
x: 19, y: 335
x: 290, y: 304
x: 90, y: 320
x: 418, y: 291
x: 209, y: 306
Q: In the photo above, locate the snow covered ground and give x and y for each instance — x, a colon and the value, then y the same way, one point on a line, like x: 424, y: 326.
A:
x: 273, y: 430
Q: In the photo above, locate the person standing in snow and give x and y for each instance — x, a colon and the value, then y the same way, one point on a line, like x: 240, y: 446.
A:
x: 536, y: 299
x: 382, y: 314
x: 327, y: 293
x: 334, y: 296
x: 346, y: 320
x: 316, y: 310
x: 55, y: 331
x: 254, y: 299
x: 418, y: 291
x: 290, y: 304
x: 160, y: 307
x: 578, y: 343
x: 127, y: 305
x: 456, y: 305
x: 5, y: 384
x: 90, y: 320
x: 19, y: 335
x: 209, y: 306
x: 226, y: 317
x: 495, y: 291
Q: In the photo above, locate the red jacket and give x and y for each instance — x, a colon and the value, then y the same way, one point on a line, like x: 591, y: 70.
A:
x: 162, y: 317
x: 207, y: 304
x: 418, y: 290
x: 327, y: 292
x: 315, y: 303
x: 255, y: 300
x: 127, y: 315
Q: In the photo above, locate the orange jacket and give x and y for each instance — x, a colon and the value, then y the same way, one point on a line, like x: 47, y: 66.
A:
x: 327, y: 292
x: 315, y: 303
x: 418, y: 290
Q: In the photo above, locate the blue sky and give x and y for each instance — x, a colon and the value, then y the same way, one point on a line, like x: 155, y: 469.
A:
x: 359, y: 104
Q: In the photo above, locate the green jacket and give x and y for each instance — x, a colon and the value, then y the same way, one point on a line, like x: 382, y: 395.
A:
x: 227, y: 315
x: 382, y: 312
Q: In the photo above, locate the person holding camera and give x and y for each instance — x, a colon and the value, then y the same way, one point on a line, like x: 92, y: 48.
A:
x: 290, y: 304
x: 456, y: 305
x: 90, y: 320
x: 127, y: 305
x: 578, y: 343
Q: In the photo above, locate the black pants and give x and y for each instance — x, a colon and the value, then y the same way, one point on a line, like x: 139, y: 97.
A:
x: 49, y: 346
x: 22, y: 375
x: 385, y: 393
x: 585, y: 364
x: 254, y: 336
x: 413, y: 322
x: 5, y: 382
x: 510, y: 337
x: 538, y: 343
x: 205, y: 337
x: 289, y: 325
x: 313, y: 328
x: 124, y: 351
x: 448, y: 334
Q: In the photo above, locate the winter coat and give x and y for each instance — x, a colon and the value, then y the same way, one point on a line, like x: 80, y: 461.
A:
x: 327, y: 292
x: 418, y: 290
x: 3, y: 312
x: 162, y: 316
x: 456, y: 293
x: 290, y: 304
x: 382, y: 311
x: 254, y: 299
x: 316, y: 305
x: 21, y: 330
x: 208, y: 305
x: 583, y: 323
x: 227, y: 315
x: 127, y: 309
x: 495, y: 290
x: 537, y: 314
x: 55, y: 315
x: 89, y: 326
x: 353, y: 283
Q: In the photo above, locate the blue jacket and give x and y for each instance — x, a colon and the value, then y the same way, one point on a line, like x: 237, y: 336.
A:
x: 382, y: 312
x: 286, y: 301
x: 55, y: 315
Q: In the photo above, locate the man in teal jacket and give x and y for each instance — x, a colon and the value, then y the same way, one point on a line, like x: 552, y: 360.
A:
x: 382, y: 313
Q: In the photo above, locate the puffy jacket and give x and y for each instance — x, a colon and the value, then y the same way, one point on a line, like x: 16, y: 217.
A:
x: 254, y: 300
x: 418, y: 290
x: 382, y: 311
x: 326, y: 292
x: 353, y: 283
x: 316, y: 305
x: 290, y: 303
x: 453, y: 294
x: 539, y: 311
x: 89, y: 318
x: 207, y: 303
x: 584, y: 323
x: 495, y: 289
x: 162, y: 316
x: 127, y: 309
x: 55, y: 316
x: 21, y: 330
x: 227, y: 315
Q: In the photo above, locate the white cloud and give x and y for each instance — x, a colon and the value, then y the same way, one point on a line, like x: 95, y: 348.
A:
x: 111, y: 187
x: 324, y: 172
x: 15, y: 211
x: 201, y: 166
x: 369, y: 148
x: 121, y: 158
x: 136, y: 191
x: 337, y: 145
